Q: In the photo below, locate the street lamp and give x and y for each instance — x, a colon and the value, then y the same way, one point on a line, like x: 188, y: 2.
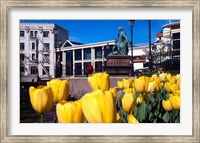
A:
x: 131, y: 23
x: 150, y: 56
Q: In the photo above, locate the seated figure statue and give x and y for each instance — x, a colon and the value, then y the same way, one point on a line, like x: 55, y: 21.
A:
x: 121, y: 44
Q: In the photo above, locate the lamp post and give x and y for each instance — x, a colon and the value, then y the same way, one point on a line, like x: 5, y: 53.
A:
x: 131, y: 23
x: 150, y: 56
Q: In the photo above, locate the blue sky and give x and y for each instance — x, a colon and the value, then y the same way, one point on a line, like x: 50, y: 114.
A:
x: 91, y: 31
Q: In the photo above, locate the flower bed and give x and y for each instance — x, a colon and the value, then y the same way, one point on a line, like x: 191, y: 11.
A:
x: 150, y: 98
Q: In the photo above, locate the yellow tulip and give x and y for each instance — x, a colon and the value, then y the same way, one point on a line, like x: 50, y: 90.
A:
x: 41, y: 98
x: 99, y: 107
x: 120, y: 84
x: 118, y: 118
x: 168, y: 87
x: 132, y: 119
x: 154, y: 76
x: 168, y: 76
x: 129, y: 90
x: 60, y: 89
x: 152, y: 87
x: 174, y: 88
x: 176, y: 93
x: 162, y: 77
x: 158, y: 85
x: 139, y: 84
x: 166, y: 104
x: 127, y: 83
x: 128, y: 103
x: 175, y: 101
x: 69, y: 112
x: 99, y: 81
x: 139, y: 99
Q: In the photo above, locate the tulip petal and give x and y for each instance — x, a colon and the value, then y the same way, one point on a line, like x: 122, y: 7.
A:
x: 92, y: 83
x: 90, y: 107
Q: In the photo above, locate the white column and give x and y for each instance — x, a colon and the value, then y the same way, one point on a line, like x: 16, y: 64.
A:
x: 103, y: 55
x: 93, y: 57
x: 73, y: 62
x: 63, y: 64
x: 82, y: 63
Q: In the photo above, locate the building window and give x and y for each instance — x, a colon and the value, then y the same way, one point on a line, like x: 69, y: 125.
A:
x: 98, y: 66
x: 78, y: 54
x: 69, y: 62
x: 33, y: 46
x: 98, y: 52
x: 31, y: 33
x: 33, y: 56
x: 36, y: 32
x: 78, y: 69
x: 87, y: 53
x: 85, y: 67
x: 22, y: 69
x: 46, y: 34
x: 176, y: 36
x: 33, y: 70
x: 44, y: 71
x: 46, y: 46
x: 21, y: 33
x: 108, y: 50
x: 46, y: 58
x: 176, y: 44
x: 21, y: 57
x: 21, y: 46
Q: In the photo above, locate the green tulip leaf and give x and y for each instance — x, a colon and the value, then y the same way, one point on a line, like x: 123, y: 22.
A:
x: 166, y: 117
x: 123, y: 115
x: 142, y: 111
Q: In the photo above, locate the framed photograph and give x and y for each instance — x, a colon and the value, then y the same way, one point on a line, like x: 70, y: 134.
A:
x: 15, y: 16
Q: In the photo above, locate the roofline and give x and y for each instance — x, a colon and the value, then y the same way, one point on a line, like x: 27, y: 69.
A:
x: 85, y: 45
x: 170, y: 24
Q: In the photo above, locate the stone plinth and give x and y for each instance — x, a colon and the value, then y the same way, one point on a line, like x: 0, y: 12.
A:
x: 118, y: 65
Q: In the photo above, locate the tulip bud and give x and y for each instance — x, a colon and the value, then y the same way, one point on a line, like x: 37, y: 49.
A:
x: 132, y: 119
x: 129, y: 90
x: 98, y: 107
x: 139, y: 84
x: 60, y: 89
x: 99, y: 81
x: 168, y: 87
x: 127, y: 83
x: 175, y: 101
x: 152, y: 87
x: 120, y: 84
x: 166, y: 104
x: 128, y: 103
x: 41, y: 98
x: 162, y: 77
x: 174, y: 88
x: 139, y: 99
x: 168, y: 76
x: 69, y: 112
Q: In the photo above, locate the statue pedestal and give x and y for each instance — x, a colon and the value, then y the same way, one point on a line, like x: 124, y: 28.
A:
x: 118, y: 65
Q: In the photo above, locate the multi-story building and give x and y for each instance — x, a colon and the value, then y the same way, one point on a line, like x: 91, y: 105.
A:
x: 76, y: 58
x: 37, y: 48
x: 167, y: 46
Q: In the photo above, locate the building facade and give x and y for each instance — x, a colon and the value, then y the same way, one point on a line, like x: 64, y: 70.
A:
x: 37, y: 48
x: 167, y: 46
x: 76, y: 58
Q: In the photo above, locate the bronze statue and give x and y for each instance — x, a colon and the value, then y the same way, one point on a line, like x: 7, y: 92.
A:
x: 121, y: 44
